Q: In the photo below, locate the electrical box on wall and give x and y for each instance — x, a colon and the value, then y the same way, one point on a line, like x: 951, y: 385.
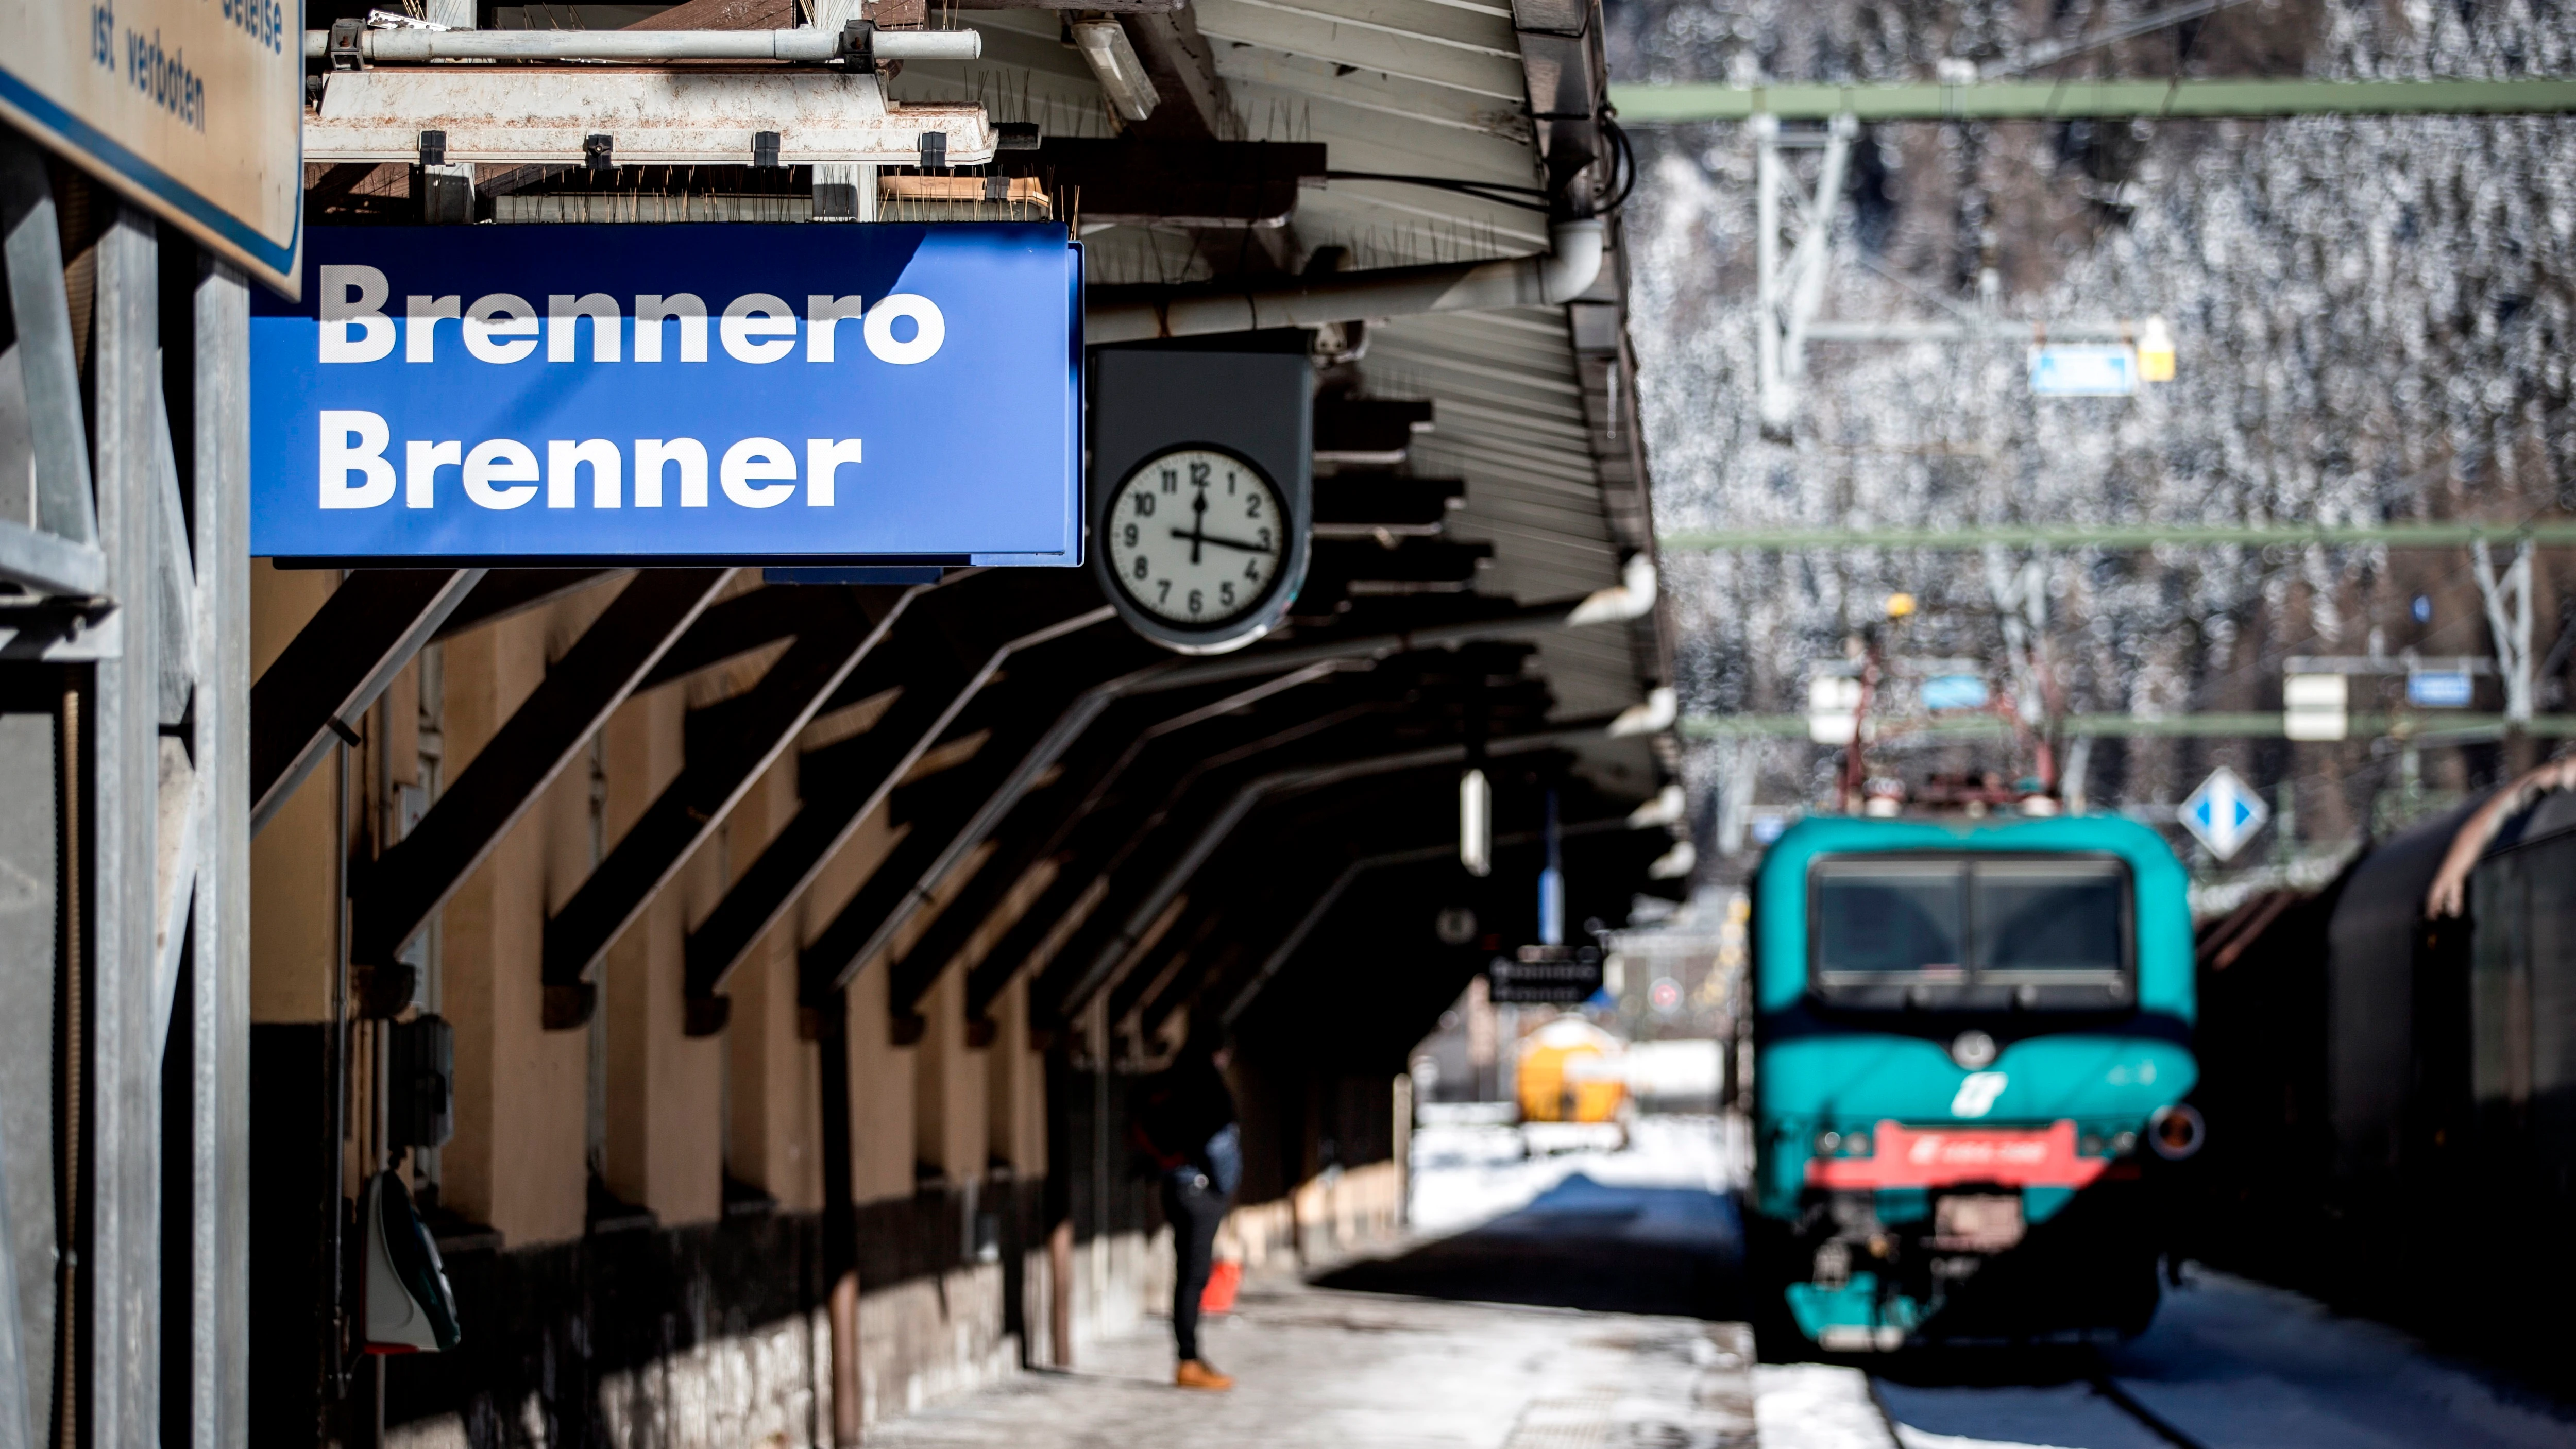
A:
x: 1202, y: 486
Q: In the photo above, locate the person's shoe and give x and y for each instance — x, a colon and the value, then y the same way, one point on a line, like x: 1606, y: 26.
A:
x: 1195, y: 1374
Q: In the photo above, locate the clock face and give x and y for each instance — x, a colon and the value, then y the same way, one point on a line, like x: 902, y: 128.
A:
x: 1196, y: 537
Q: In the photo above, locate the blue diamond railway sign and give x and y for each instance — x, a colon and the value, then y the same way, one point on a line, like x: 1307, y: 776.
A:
x: 2224, y: 812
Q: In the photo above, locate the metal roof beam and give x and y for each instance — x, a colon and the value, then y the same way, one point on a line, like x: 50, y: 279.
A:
x: 1034, y: 829
x: 339, y: 662
x: 1176, y: 182
x: 1088, y: 962
x: 839, y: 634
x: 842, y: 785
x: 397, y: 893
x: 936, y: 841
x: 731, y: 629
x: 833, y: 803
x: 507, y: 592
x: 1238, y: 988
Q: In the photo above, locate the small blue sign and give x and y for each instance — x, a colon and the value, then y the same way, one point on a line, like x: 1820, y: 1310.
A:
x: 2083, y: 371
x: 2439, y: 688
x: 721, y: 393
x: 1944, y: 692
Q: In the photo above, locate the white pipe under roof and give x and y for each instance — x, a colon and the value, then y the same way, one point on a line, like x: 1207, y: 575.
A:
x: 422, y: 45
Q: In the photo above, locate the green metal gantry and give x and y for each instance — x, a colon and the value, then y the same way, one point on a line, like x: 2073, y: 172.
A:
x: 2049, y: 100
x: 2552, y: 532
x: 2425, y: 726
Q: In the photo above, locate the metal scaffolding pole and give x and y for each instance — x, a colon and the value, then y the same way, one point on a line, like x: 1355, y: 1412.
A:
x: 2042, y: 100
x: 123, y: 1256
x: 219, y: 1005
x: 132, y: 635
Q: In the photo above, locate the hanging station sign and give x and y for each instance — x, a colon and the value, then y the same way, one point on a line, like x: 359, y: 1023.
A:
x: 1545, y: 976
x: 194, y: 109
x: 665, y: 394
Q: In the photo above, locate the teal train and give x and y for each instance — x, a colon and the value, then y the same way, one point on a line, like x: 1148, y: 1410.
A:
x: 1973, y: 1040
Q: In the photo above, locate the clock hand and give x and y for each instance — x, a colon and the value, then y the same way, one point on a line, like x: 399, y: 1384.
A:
x: 1197, y: 538
x: 1198, y: 526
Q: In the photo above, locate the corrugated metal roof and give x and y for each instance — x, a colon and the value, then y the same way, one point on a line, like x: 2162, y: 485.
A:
x: 1543, y: 434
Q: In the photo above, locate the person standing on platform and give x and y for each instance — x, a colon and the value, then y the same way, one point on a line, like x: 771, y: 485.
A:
x: 1185, y: 1116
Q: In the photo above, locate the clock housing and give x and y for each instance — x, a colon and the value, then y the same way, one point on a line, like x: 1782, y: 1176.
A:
x: 1247, y: 407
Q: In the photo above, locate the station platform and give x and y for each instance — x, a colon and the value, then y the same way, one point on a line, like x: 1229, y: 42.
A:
x: 1319, y: 1368
x: 1591, y: 1300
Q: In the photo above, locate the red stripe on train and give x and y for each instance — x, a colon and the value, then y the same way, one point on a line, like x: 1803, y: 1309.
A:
x: 1904, y: 1157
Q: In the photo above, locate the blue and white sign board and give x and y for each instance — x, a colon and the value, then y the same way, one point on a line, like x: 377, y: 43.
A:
x: 2084, y: 371
x: 2224, y: 813
x: 1943, y: 693
x: 2439, y: 688
x: 666, y: 394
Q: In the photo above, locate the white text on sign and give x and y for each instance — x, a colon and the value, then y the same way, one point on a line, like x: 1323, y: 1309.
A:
x: 503, y: 473
x: 503, y: 328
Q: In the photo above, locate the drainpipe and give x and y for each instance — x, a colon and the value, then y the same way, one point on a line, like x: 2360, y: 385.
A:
x: 1139, y: 313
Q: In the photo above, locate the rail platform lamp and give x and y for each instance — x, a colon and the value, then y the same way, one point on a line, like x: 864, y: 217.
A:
x: 1475, y: 822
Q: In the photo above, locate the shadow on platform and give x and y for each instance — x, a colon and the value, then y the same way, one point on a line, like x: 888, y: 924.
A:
x: 1582, y: 1244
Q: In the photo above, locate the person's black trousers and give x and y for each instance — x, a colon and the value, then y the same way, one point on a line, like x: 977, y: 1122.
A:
x: 1195, y: 1208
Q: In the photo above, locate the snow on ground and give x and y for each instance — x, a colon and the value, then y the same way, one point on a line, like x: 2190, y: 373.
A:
x: 2231, y: 1363
x: 1469, y: 1174
x: 2239, y: 1365
x: 2017, y: 1416
x: 1815, y: 1406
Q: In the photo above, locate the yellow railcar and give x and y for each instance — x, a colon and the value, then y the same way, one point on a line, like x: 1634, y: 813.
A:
x: 1569, y: 1072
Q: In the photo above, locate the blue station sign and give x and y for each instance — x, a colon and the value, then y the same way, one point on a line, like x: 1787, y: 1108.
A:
x: 663, y: 394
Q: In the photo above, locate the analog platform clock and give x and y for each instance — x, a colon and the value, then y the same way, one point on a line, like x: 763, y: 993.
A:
x: 1195, y: 538
x: 1202, y: 461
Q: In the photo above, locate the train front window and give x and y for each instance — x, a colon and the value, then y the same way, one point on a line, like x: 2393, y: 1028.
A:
x: 1974, y: 932
x: 1895, y: 919
x: 2049, y: 919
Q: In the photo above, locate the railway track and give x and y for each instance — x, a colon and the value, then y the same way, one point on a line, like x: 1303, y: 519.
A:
x: 2109, y: 1391
x: 2096, y: 1375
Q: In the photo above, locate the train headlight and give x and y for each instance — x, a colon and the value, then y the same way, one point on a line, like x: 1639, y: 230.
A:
x: 1973, y: 1050
x: 2124, y: 1143
x: 2176, y: 1132
x: 1842, y: 1144
x: 1828, y: 1143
